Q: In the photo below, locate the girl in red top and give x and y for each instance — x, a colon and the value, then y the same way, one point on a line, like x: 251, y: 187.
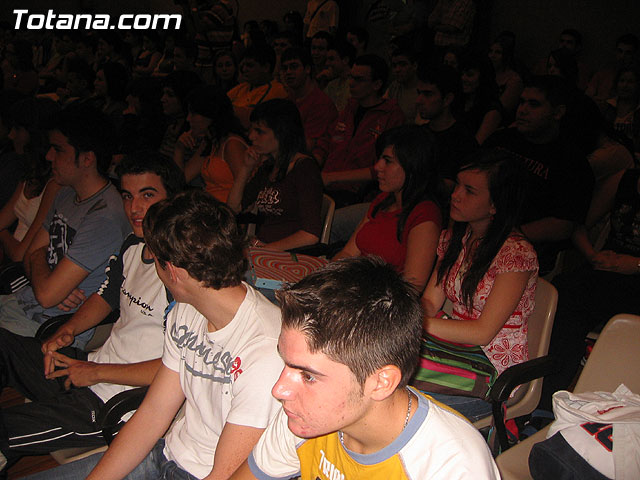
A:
x: 403, y: 223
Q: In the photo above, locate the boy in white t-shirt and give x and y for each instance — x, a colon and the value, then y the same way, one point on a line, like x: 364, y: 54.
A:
x: 350, y: 340
x: 220, y: 355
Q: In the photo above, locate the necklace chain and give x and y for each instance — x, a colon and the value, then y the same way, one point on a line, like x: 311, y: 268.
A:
x: 406, y: 419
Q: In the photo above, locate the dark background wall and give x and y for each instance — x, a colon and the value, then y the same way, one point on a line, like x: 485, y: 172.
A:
x: 537, y: 23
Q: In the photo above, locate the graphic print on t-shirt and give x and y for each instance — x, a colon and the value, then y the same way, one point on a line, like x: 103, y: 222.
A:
x: 210, y: 362
x: 60, y: 237
x: 268, y: 201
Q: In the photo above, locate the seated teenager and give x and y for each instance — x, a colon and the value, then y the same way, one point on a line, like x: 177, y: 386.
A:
x: 176, y: 88
x: 216, y: 140
x: 73, y: 384
x: 83, y: 227
x: 501, y: 54
x: 622, y: 110
x: 34, y: 194
x: 482, y: 112
x: 403, y: 223
x: 349, y: 345
x: 486, y: 268
x: 257, y: 70
x: 286, y: 189
x: 219, y: 359
x: 606, y: 286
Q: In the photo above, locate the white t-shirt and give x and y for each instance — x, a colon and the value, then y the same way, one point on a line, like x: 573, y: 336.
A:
x: 437, y: 444
x: 138, y: 335
x: 226, y: 376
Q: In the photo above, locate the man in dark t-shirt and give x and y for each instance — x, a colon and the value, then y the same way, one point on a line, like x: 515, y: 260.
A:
x: 559, y: 181
x: 439, y: 92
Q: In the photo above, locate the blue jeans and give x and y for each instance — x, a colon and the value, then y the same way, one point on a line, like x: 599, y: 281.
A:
x: 154, y: 466
x: 471, y: 407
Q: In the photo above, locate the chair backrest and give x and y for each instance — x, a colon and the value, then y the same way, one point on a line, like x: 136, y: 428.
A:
x: 326, y: 213
x: 541, y: 320
x: 539, y: 336
x: 614, y: 358
x: 528, y: 395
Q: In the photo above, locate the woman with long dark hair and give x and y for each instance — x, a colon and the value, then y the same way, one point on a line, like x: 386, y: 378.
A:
x: 403, y: 223
x: 510, y: 84
x: 486, y: 268
x: 286, y: 188
x: 482, y: 111
x: 217, y: 140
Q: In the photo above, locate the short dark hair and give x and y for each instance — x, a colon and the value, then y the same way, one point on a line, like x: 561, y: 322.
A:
x: 361, y: 34
x: 182, y: 83
x: 344, y: 50
x: 355, y: 321
x: 575, y: 34
x: 405, y: 52
x: 555, y: 89
x: 379, y: 68
x: 88, y: 130
x: 263, y: 54
x: 628, y: 39
x: 150, y: 161
x: 289, y: 35
x: 196, y: 232
x: 444, y: 77
x: 211, y: 102
x: 297, y: 53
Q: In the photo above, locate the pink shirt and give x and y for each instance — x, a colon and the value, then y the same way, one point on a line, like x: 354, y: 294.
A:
x: 510, y: 345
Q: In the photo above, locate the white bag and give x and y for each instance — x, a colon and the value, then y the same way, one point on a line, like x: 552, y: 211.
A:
x: 603, y: 427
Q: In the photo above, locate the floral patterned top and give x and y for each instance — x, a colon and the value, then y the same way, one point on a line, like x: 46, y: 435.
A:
x: 509, y: 346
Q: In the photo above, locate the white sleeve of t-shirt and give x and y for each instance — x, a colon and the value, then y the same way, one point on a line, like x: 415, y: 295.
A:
x: 274, y: 456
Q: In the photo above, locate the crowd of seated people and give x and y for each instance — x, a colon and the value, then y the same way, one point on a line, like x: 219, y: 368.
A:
x: 465, y: 170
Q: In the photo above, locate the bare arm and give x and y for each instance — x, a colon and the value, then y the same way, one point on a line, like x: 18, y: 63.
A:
x: 84, y: 374
x: 153, y: 63
x: 490, y: 124
x: 90, y: 314
x: 504, y: 297
x: 7, y: 215
x: 511, y: 95
x: 241, y: 177
x: 243, y: 473
x: 51, y: 287
x: 421, y: 254
x: 148, y: 424
x: 41, y: 240
x: 433, y: 297
x: 351, y: 248
x: 16, y: 250
x: 300, y: 238
x: 193, y: 165
x: 234, y: 154
x: 234, y: 446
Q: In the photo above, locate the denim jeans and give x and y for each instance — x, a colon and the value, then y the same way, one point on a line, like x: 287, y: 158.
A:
x: 471, y: 407
x: 154, y: 466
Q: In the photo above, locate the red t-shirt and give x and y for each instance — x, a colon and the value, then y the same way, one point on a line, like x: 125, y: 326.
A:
x: 378, y: 235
